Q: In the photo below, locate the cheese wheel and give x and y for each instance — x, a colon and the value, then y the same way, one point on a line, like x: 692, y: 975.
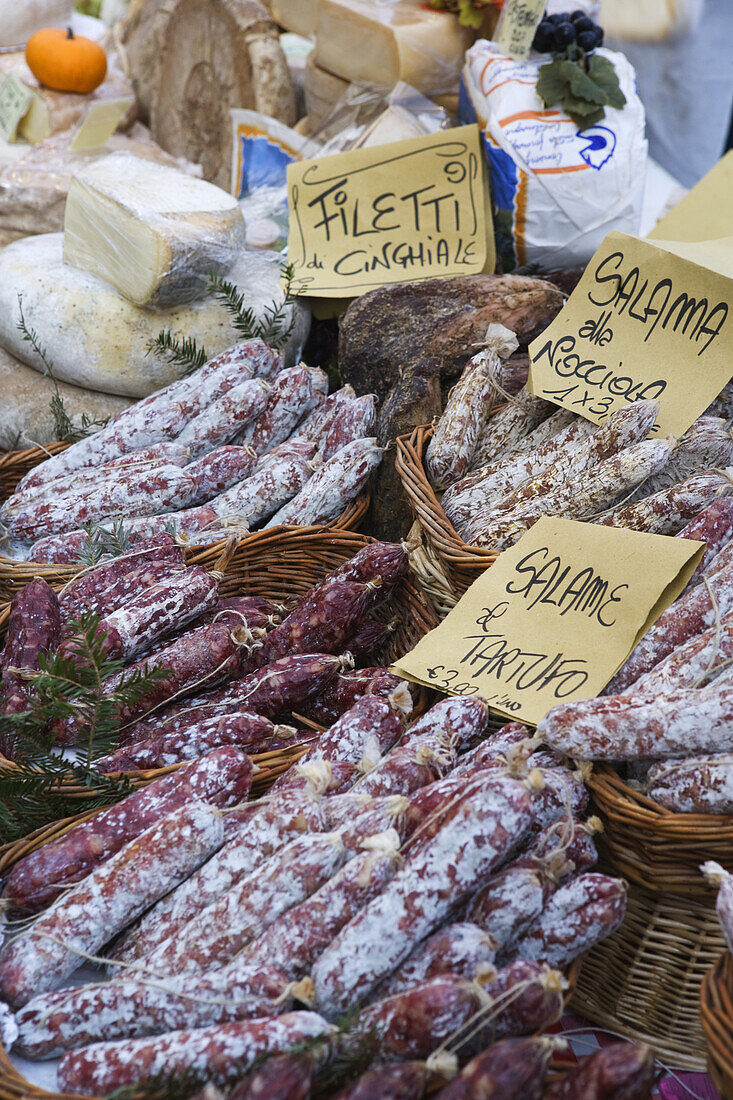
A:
x: 358, y: 40
x: 152, y: 232
x: 97, y: 339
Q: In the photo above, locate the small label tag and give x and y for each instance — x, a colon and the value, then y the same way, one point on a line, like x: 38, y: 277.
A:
x: 15, y: 99
x: 518, y: 21
x: 554, y: 618
x: 99, y: 123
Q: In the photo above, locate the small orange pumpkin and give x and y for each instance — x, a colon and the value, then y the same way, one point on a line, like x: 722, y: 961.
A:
x: 65, y: 61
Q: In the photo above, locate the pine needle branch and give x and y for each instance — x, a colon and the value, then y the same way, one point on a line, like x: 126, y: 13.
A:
x: 183, y: 353
x: 103, y: 543
x: 273, y: 327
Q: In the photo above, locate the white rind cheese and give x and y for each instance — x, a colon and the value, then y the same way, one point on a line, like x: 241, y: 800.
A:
x: 19, y: 19
x: 151, y: 232
x: 94, y: 338
x: 360, y: 40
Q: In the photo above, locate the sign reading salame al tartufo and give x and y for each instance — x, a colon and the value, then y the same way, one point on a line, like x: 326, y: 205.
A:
x: 647, y: 320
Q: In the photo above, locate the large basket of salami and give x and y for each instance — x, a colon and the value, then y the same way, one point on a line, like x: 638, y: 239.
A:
x: 653, y: 846
x: 645, y: 980
x: 716, y: 1013
x: 318, y: 921
x: 208, y: 627
x: 238, y: 444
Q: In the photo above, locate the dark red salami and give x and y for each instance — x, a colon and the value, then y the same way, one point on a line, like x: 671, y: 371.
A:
x: 620, y: 1071
x: 283, y: 1077
x: 222, y: 777
x: 34, y: 628
x: 509, y: 1070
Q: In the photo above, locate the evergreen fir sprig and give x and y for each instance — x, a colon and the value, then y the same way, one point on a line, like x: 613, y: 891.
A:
x: 273, y: 327
x: 82, y: 688
x: 183, y: 353
x: 103, y: 542
x: 162, y: 1086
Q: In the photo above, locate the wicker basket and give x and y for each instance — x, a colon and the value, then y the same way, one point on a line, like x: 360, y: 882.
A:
x: 282, y: 563
x: 660, y: 850
x: 461, y: 563
x: 716, y: 1012
x: 13, y: 1086
x: 644, y: 981
x: 15, y: 574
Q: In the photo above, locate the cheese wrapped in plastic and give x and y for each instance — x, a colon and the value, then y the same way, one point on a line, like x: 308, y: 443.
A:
x: 385, y: 41
x: 151, y: 232
x: 19, y: 19
x: 557, y: 190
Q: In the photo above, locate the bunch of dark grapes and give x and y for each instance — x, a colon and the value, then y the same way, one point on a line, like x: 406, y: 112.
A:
x: 556, y: 33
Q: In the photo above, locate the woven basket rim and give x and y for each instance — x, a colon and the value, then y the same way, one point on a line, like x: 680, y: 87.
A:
x: 438, y: 528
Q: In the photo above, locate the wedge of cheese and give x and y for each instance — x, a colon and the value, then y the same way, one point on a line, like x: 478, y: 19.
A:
x: 322, y: 90
x: 295, y: 15
x: 96, y: 339
x: 381, y: 44
x: 151, y: 232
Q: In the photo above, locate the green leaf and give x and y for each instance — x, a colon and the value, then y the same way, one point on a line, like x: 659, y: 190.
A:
x: 552, y: 82
x: 582, y: 113
x: 602, y: 72
x: 583, y: 86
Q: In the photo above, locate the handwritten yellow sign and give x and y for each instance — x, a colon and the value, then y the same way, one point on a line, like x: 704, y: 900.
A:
x: 648, y: 319
x: 393, y: 213
x: 517, y: 24
x: 15, y: 100
x: 555, y: 616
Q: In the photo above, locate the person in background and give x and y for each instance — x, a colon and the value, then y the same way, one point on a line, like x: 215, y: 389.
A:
x: 681, y: 50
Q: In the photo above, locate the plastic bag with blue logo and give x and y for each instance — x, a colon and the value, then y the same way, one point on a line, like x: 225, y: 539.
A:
x: 556, y: 190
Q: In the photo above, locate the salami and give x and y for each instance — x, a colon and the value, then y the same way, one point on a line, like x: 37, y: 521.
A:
x: 133, y: 1007
x: 524, y: 997
x: 461, y: 721
x: 294, y: 941
x: 323, y: 626
x: 347, y: 739
x: 469, y: 404
x: 271, y: 823
x: 138, y: 491
x: 344, y: 690
x: 618, y: 1070
x: 714, y: 527
x: 333, y: 486
x: 224, y: 927
x: 248, y: 731
x: 282, y: 1077
x: 158, y: 611
x: 705, y: 445
x: 678, y: 723
x: 315, y: 427
x: 509, y: 1069
x: 352, y: 420
x: 698, y: 785
x: 226, y: 417
x: 591, y: 493
x: 689, y: 664
x: 295, y: 392
x: 397, y: 1081
x: 668, y: 510
x: 34, y: 628
x: 370, y: 636
x: 511, y: 901
x: 218, y: 470
x: 693, y: 612
x: 108, y: 586
x: 164, y: 414
x: 465, y: 499
x: 482, y: 833
x: 509, y: 427
x: 279, y: 476
x: 217, y: 1054
x: 411, y: 1024
x: 222, y: 777
x: 461, y: 949
x: 109, y: 899
x: 577, y: 916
